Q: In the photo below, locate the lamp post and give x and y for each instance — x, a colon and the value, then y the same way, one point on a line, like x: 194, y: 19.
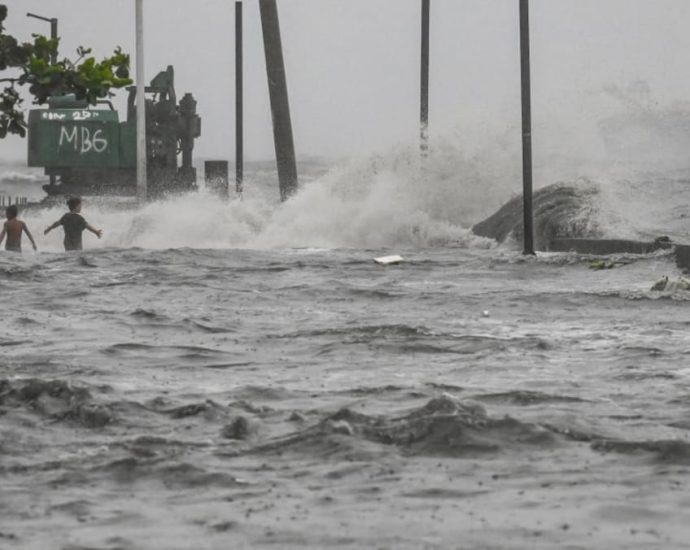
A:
x: 53, y: 56
x: 53, y: 31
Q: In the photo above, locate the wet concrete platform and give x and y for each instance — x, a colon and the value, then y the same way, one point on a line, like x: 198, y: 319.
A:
x: 607, y: 246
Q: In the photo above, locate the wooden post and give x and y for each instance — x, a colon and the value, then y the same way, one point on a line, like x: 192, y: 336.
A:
x: 280, y: 106
x: 239, y: 101
x: 141, y: 103
x: 424, y: 102
x: 526, y: 128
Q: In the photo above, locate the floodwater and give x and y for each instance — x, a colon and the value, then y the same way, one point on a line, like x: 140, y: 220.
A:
x: 245, y: 376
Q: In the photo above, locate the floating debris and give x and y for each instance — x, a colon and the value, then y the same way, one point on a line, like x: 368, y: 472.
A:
x: 666, y: 285
x: 388, y: 260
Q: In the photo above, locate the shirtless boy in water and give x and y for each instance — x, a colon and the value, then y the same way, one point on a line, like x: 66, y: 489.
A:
x: 73, y: 224
x: 13, y: 229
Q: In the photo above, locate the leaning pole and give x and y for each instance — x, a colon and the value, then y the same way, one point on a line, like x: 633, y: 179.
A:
x: 526, y: 128
x: 141, y: 103
x: 280, y: 106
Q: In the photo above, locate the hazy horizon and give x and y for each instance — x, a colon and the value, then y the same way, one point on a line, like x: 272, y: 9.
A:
x: 353, y: 68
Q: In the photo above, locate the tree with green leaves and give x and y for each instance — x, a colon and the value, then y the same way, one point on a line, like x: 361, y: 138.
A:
x: 30, y: 64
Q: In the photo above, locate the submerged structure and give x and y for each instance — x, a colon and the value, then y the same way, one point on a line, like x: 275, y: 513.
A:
x: 90, y: 151
x: 560, y: 211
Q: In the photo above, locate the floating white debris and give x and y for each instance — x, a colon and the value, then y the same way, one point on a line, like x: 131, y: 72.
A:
x: 388, y: 260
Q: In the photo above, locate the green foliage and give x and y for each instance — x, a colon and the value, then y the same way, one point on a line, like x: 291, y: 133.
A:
x: 601, y: 264
x: 11, y: 119
x: 31, y: 62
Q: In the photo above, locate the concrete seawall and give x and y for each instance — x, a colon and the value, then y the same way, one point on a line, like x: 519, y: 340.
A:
x: 620, y: 246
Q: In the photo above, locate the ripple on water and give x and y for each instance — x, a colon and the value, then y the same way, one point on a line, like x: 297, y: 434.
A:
x: 444, y: 427
x: 56, y: 400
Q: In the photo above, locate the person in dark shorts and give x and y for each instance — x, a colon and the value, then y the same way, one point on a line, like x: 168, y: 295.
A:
x: 13, y: 229
x: 73, y: 224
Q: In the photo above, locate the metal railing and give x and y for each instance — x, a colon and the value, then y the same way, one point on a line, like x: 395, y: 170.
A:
x: 9, y: 200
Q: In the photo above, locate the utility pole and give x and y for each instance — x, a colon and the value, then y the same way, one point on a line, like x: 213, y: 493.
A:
x: 141, y: 103
x: 280, y: 106
x: 526, y: 128
x: 424, y: 102
x: 239, y: 101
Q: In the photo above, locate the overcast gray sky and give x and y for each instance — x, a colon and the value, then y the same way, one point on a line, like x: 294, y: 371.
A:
x: 353, y: 65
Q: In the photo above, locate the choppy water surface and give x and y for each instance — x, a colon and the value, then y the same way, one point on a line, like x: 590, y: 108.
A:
x: 244, y: 393
x: 301, y: 398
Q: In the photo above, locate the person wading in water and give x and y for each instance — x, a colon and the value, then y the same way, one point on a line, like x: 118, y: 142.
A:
x: 73, y: 224
x: 13, y: 229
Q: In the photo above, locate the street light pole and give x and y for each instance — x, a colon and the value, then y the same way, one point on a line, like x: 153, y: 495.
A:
x: 53, y: 36
x: 53, y: 57
x: 53, y: 32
